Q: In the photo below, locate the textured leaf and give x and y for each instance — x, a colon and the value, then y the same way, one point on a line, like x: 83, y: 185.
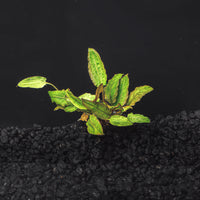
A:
x: 138, y: 118
x: 77, y: 102
x: 87, y: 96
x: 94, y: 127
x: 98, y: 109
x: 137, y: 94
x: 123, y: 90
x: 96, y: 68
x: 118, y: 120
x: 59, y: 97
x: 33, y: 82
x: 111, y: 89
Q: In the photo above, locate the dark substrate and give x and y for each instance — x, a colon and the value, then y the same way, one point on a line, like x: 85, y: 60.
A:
x: 160, y: 160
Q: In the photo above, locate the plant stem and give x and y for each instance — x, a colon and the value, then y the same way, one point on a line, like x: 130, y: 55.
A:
x: 52, y: 85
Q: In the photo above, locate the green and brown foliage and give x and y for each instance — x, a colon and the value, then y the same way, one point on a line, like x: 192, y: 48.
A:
x: 111, y: 100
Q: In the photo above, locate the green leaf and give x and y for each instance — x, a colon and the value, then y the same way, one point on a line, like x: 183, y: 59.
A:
x: 87, y: 96
x: 96, y: 68
x: 94, y: 126
x: 76, y: 101
x: 33, y: 82
x: 70, y: 108
x: 98, y: 109
x: 118, y: 120
x: 111, y: 89
x: 138, y: 118
x: 123, y: 90
x: 59, y: 97
x: 137, y: 94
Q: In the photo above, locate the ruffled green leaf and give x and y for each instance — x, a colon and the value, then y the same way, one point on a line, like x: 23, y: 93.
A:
x: 137, y: 94
x: 111, y: 89
x: 98, y: 109
x: 59, y: 97
x: 96, y: 68
x: 76, y: 101
x: 94, y: 126
x: 118, y: 120
x: 123, y: 90
x: 138, y: 118
x: 33, y: 82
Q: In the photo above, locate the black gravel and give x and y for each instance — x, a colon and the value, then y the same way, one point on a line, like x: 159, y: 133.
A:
x: 160, y: 160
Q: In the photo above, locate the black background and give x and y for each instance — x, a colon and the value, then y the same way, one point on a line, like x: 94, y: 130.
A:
x: 156, y: 42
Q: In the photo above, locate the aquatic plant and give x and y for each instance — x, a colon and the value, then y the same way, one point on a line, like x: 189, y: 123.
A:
x: 111, y: 100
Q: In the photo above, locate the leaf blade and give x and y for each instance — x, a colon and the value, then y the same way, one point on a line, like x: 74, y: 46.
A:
x: 96, y: 68
x: 87, y: 96
x: 138, y: 118
x: 94, y: 126
x: 137, y: 94
x: 76, y: 101
x: 119, y: 120
x: 111, y: 89
x: 33, y: 82
x: 59, y: 97
x: 98, y: 109
x: 70, y: 108
x: 123, y: 90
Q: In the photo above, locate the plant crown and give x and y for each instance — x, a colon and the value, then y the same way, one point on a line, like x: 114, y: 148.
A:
x: 108, y: 104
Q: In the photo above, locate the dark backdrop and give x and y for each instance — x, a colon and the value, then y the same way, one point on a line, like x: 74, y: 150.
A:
x: 156, y: 42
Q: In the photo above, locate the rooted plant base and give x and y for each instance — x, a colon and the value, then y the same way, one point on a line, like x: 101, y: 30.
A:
x: 160, y: 160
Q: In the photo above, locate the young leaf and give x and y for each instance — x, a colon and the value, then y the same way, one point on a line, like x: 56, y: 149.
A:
x: 59, y: 97
x: 96, y: 68
x: 76, y: 101
x: 98, y: 109
x: 94, y: 126
x: 138, y: 118
x: 137, y: 94
x: 119, y: 120
x: 111, y: 89
x: 123, y: 90
x: 33, y: 82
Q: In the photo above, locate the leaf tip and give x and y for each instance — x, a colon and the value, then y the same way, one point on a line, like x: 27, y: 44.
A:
x: 150, y: 88
x: 91, y: 49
